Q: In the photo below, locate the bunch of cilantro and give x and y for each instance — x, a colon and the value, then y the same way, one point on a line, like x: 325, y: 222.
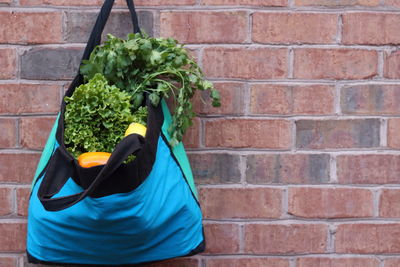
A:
x: 155, y: 66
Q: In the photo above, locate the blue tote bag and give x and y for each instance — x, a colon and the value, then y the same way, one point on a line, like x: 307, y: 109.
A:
x: 119, y: 213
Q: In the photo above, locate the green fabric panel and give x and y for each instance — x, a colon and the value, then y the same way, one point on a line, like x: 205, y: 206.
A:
x: 47, y: 152
x: 178, y: 150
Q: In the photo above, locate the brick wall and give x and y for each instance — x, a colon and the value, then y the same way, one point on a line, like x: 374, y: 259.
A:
x: 301, y: 165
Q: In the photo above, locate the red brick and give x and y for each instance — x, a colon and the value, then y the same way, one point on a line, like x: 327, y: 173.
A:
x: 8, y: 132
x: 394, y: 3
x: 367, y: 238
x: 273, y: 134
x: 283, y: 28
x: 222, y: 238
x: 191, y: 139
x: 181, y: 262
x: 99, y: 2
x: 6, y: 201
x: 337, y: 134
x: 7, y: 63
x: 23, y: 195
x: 392, y: 262
x: 34, y: 131
x: 29, y: 98
x: 245, y: 2
x: 205, y: 27
x: 337, y: 2
x: 31, y: 27
x: 248, y: 63
x: 222, y: 203
x: 373, y: 99
x: 388, y: 207
x: 311, y: 202
x: 318, y: 63
x: 5, y: 1
x: 18, y: 167
x: 368, y: 169
x: 12, y: 237
x: 287, y: 169
x: 338, y: 262
x: 8, y: 262
x: 392, y: 65
x: 370, y: 28
x: 393, y: 137
x: 285, y: 239
x: 232, y: 100
x: 247, y: 262
x: 286, y: 99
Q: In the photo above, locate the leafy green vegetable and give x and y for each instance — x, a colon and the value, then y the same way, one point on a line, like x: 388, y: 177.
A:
x: 156, y: 66
x: 97, y: 116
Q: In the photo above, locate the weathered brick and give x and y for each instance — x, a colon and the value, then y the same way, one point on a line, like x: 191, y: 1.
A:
x: 287, y: 169
x: 367, y: 238
x: 178, y: 262
x: 285, y: 239
x: 5, y: 1
x: 247, y: 262
x: 12, y: 237
x: 7, y: 63
x: 392, y: 3
x: 232, y: 100
x: 50, y: 63
x: 392, y: 64
x: 205, y: 27
x: 222, y: 238
x: 248, y: 63
x: 283, y: 28
x: 6, y: 206
x: 23, y: 195
x: 8, y: 132
x: 388, y: 203
x: 287, y: 99
x: 29, y: 98
x: 18, y: 167
x: 371, y: 28
x: 8, y: 262
x: 393, y: 138
x: 335, y: 3
x: 245, y: 2
x: 374, y: 99
x: 310, y: 63
x: 79, y: 24
x: 274, y: 134
x: 30, y: 27
x: 368, y: 169
x: 191, y: 139
x: 34, y: 131
x: 311, y: 202
x: 392, y: 262
x: 226, y: 203
x: 337, y: 262
x: 336, y: 134
x: 210, y: 168
x: 100, y: 2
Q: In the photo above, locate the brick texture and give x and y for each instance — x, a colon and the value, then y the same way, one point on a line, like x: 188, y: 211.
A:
x: 317, y: 134
x: 246, y: 2
x: 34, y: 131
x: 272, y: 134
x: 339, y: 262
x: 286, y: 100
x: 8, y: 262
x: 23, y: 201
x: 335, y: 64
x: 191, y: 139
x: 7, y: 63
x: 247, y: 262
x: 367, y: 238
x: 287, y: 169
x: 285, y: 239
x: 222, y: 238
x: 392, y: 65
x: 223, y: 203
x: 99, y: 2
x: 8, y: 132
x: 6, y: 207
x: 12, y: 237
x: 281, y: 28
x: 205, y: 27
x: 393, y: 138
x: 335, y: 3
x: 251, y: 63
x: 387, y: 203
x: 18, y: 167
x: 330, y: 202
x: 393, y: 262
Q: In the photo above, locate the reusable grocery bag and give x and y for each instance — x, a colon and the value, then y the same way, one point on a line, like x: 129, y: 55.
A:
x: 118, y: 213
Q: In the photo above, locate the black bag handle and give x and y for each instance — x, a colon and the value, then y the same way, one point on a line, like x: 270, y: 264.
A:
x: 95, y: 36
x: 128, y: 146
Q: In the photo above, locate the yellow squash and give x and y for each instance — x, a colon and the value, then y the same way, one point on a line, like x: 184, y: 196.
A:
x: 136, y: 128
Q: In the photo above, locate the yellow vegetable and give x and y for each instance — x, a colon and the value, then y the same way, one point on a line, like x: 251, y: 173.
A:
x: 136, y: 128
x: 91, y: 159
